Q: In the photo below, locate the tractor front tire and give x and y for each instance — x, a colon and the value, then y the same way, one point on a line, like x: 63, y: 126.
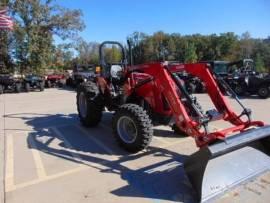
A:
x: 89, y: 104
x: 132, y: 128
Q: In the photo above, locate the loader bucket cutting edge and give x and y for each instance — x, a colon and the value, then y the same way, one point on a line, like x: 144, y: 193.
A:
x: 222, y: 166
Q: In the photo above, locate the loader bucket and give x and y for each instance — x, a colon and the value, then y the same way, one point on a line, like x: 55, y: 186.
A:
x: 219, y: 167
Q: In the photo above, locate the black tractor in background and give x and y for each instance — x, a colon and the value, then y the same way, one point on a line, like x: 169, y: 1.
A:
x: 33, y: 82
x: 10, y: 83
x: 81, y: 72
x: 192, y: 84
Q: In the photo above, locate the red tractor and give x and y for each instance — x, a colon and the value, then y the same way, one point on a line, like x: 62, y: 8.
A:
x: 153, y: 94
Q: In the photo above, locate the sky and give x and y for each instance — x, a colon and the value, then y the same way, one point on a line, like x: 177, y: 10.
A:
x: 116, y: 19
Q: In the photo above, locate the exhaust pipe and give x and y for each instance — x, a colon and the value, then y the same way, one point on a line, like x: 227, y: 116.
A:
x: 130, y: 52
x: 223, y: 165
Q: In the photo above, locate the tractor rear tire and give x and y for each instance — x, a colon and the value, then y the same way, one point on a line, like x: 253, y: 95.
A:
x: 89, y: 104
x: 263, y: 92
x: 1, y: 89
x: 27, y: 87
x: 132, y: 128
x: 18, y: 87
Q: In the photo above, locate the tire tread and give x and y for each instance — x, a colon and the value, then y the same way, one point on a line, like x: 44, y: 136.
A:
x: 143, y: 123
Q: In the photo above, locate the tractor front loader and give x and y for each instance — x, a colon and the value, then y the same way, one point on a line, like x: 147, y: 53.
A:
x: 153, y: 94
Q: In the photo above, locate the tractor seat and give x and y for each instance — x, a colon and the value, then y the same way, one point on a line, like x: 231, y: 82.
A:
x: 116, y: 71
x: 116, y: 74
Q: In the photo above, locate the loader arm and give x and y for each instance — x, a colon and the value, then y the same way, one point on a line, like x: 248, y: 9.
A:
x: 198, y: 127
x: 227, y: 157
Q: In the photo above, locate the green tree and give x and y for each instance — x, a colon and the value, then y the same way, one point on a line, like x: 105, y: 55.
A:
x: 246, y: 45
x: 197, y: 47
x: 159, y: 45
x: 5, y: 39
x: 259, y: 64
x: 262, y: 47
x: 149, y: 50
x: 190, y: 53
x: 62, y: 57
x: 138, y: 43
x: 113, y: 54
x: 228, y: 45
x: 171, y: 49
x: 37, y: 22
x: 87, y: 52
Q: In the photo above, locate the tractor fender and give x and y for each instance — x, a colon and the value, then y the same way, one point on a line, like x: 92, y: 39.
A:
x: 141, y: 87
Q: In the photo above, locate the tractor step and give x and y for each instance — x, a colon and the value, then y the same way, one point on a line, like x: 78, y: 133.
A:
x: 215, y: 169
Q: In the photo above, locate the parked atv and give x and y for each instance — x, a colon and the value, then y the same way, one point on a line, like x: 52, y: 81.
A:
x: 242, y: 77
x: 10, y: 83
x: 221, y: 70
x: 32, y: 82
x: 226, y: 68
x: 55, y: 80
x: 252, y: 84
x: 81, y: 73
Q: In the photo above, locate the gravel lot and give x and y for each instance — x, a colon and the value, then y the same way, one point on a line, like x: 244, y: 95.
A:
x: 50, y: 157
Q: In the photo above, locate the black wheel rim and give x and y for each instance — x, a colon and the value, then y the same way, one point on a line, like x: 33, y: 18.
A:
x: 263, y: 92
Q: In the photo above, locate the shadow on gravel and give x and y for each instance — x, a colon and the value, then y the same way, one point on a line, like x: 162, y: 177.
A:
x: 168, y: 134
x: 66, y: 88
x: 162, y: 181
